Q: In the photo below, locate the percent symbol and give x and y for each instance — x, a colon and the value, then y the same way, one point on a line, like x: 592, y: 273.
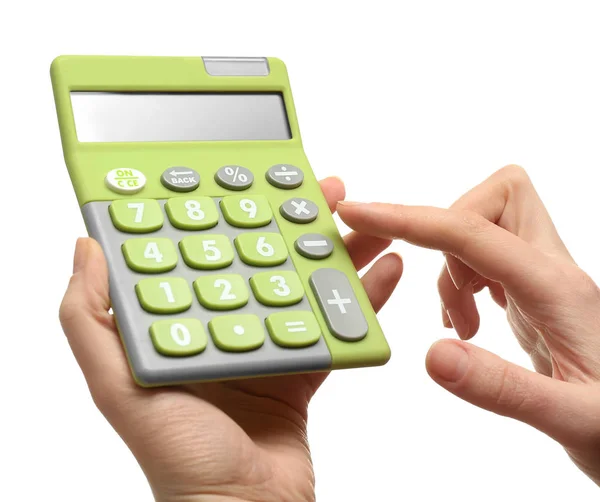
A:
x: 235, y: 174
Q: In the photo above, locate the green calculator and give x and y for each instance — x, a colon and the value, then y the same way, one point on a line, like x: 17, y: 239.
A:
x: 224, y: 259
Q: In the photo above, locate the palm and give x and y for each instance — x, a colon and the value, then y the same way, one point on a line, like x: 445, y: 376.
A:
x: 235, y: 436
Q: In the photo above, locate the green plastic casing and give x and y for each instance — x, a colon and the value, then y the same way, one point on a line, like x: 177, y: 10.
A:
x: 88, y: 163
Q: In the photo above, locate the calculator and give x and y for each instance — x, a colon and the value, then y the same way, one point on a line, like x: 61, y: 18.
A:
x: 224, y: 259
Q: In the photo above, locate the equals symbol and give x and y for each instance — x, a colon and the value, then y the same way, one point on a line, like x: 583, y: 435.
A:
x: 295, y: 327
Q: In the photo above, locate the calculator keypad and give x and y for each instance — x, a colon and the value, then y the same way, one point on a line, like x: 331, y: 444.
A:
x: 205, y: 303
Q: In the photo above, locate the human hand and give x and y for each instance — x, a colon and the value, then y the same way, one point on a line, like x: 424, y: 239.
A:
x: 238, y: 440
x: 500, y: 236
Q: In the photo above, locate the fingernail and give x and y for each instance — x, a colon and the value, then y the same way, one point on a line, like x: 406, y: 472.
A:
x: 349, y: 203
x: 80, y: 255
x: 457, y: 279
x: 459, y: 323
x: 448, y: 361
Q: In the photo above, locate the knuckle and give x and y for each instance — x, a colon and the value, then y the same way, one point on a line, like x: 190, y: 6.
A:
x: 515, y: 175
x: 510, y: 394
x: 109, y: 397
x: 68, y: 310
x: 580, y: 285
x: 471, y: 225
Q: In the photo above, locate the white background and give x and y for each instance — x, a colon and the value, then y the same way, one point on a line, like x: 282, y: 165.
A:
x: 413, y: 102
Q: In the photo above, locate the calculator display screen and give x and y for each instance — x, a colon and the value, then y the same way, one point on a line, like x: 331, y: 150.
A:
x: 131, y: 117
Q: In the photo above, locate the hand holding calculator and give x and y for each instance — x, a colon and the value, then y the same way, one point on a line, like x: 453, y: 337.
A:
x: 223, y: 257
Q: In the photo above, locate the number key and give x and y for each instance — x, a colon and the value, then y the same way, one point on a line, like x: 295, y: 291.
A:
x: 206, y: 252
x: 277, y: 288
x: 261, y: 249
x: 150, y: 255
x: 178, y: 337
x: 136, y: 215
x: 192, y: 213
x: 164, y: 295
x: 246, y: 211
x: 221, y: 292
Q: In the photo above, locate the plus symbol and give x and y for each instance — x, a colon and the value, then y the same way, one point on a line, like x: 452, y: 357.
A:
x: 339, y: 301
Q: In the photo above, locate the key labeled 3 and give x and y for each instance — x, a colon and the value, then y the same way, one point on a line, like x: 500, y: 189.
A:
x: 279, y: 289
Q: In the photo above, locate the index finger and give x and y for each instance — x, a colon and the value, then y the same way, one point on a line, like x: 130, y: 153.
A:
x: 485, y: 247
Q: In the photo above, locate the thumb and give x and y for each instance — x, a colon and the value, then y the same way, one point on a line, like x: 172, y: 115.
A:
x: 88, y: 325
x: 565, y: 411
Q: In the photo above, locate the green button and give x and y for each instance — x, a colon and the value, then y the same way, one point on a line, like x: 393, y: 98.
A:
x: 150, y: 255
x: 192, y: 213
x: 294, y: 329
x: 207, y: 252
x: 178, y: 337
x: 237, y: 333
x: 245, y: 211
x: 277, y: 288
x: 261, y: 249
x: 136, y: 216
x: 221, y: 292
x: 164, y: 295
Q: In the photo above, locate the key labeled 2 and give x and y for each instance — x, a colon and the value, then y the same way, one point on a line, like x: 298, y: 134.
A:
x: 221, y: 292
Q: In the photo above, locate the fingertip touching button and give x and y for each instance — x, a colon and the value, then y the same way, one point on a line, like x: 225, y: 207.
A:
x: 299, y: 210
x: 125, y: 181
x: 285, y: 176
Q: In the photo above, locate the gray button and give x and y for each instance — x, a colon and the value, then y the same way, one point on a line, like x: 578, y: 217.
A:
x: 180, y: 179
x: 299, y: 210
x: 285, y: 176
x: 234, y: 177
x: 315, y: 246
x: 340, y: 307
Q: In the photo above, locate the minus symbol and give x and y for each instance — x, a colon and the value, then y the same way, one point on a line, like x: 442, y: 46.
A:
x: 314, y: 244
